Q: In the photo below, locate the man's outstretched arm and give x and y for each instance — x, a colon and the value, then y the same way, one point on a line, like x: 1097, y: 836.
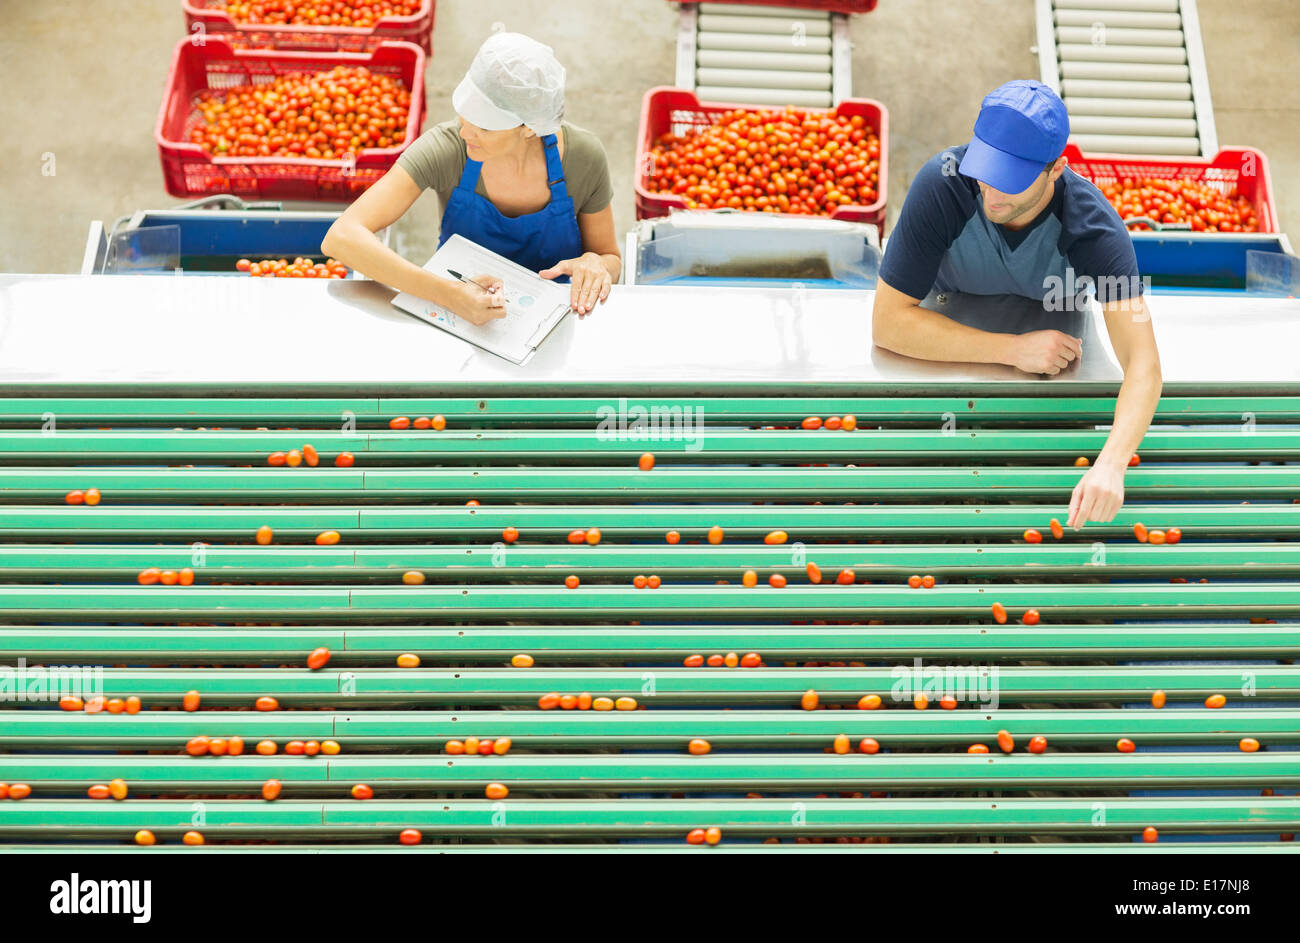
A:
x: 1100, y: 493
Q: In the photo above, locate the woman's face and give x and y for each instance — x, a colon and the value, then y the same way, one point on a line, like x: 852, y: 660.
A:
x: 484, y: 145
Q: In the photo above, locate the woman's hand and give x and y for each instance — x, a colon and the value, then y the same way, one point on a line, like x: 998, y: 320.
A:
x: 589, y: 280
x: 482, y: 300
x: 1097, y: 496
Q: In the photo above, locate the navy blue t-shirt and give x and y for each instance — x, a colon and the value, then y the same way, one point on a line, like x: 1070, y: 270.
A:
x: 943, y: 241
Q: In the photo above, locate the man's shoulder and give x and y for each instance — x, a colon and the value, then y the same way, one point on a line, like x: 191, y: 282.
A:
x: 1085, y: 211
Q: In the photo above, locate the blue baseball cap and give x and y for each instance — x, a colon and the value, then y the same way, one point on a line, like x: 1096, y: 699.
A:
x: 1021, y: 127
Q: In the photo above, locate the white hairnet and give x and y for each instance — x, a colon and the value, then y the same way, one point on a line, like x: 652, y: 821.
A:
x: 513, y: 80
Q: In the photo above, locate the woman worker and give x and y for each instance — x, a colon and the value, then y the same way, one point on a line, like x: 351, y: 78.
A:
x: 512, y: 177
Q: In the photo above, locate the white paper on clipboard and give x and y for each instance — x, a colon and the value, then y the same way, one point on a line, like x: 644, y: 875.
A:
x: 534, y: 306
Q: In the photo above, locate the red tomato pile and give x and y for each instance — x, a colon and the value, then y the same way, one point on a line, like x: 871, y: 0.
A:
x: 317, y: 12
x: 299, y: 268
x: 1181, y: 201
x: 305, y: 114
x: 773, y: 161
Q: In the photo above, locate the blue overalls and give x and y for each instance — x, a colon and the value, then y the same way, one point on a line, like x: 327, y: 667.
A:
x: 534, y: 240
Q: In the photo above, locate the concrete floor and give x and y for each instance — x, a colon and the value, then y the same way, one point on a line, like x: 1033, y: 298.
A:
x: 82, y: 94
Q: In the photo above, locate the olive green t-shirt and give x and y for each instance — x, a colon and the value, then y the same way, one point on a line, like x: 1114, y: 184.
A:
x: 437, y: 158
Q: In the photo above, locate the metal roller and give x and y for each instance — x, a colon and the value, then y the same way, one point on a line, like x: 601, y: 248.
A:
x: 1101, y: 88
x: 810, y: 26
x: 1113, y: 35
x: 759, y: 78
x: 761, y: 42
x: 1117, y: 19
x: 1086, y: 52
x: 784, y: 61
x: 1125, y: 71
x: 1137, y: 144
x: 1125, y: 124
x: 744, y: 9
x: 765, y: 96
x: 1136, y: 107
x: 1137, y: 6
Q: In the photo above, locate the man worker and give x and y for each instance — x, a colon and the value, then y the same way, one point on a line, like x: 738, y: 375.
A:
x: 996, y: 239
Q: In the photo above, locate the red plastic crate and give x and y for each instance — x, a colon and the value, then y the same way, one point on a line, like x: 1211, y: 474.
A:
x: 217, y: 23
x: 189, y: 171
x: 834, y: 6
x: 677, y: 110
x: 1242, y: 170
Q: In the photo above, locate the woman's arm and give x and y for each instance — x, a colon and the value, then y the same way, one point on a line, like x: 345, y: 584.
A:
x: 593, y: 272
x: 352, y: 240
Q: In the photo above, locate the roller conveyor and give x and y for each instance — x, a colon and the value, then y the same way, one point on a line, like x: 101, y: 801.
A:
x: 763, y: 55
x: 1131, y: 72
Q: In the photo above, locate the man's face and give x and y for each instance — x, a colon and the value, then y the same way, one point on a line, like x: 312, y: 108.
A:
x: 1002, y: 207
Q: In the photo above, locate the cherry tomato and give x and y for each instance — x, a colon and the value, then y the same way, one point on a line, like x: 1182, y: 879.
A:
x: 921, y: 702
x: 568, y: 702
x: 646, y: 462
x: 948, y: 702
x: 841, y: 743
x: 1248, y: 745
x: 310, y: 455
x: 98, y: 791
x: 695, y: 836
x: 1134, y: 461
x: 293, y: 458
x: 399, y: 422
x: 149, y: 576
x: 1030, y: 617
x: 362, y: 791
x: 1158, y: 699
x: 266, y: 703
x: 776, y: 537
x: 639, y: 581
x: 809, y: 700
x: 715, y: 534
x: 408, y: 660
x: 521, y: 661
x: 192, y: 838
x: 812, y: 422
x: 1057, y: 530
x: 977, y: 748
x: 731, y: 659
x: 235, y: 746
x: 70, y: 702
x: 19, y: 791
x: 999, y: 613
x: 185, y: 577
x: 454, y: 747
x: 571, y: 581
x: 295, y: 748
x: 1081, y: 462
x: 190, y: 701
x: 410, y: 836
x: 413, y: 578
x: 1156, y: 537
x: 264, y: 535
x: 145, y: 837
x: 1033, y: 536
x: 439, y: 423
x: 501, y: 746
x: 318, y: 658
x: 266, y: 747
x: 496, y: 791
x: 1140, y: 532
x: 673, y: 537
x: 1038, y: 744
x: 814, y: 572
x: 1150, y: 835
x: 327, y: 538
x: 698, y: 747
x: 869, y: 702
x: 1125, y: 745
x: 577, y: 536
x: 849, y: 423
x: 548, y: 701
x: 750, y: 660
x: 277, y: 458
x: 868, y: 745
x: 625, y: 704
x: 602, y: 704
x: 845, y: 577
x: 1006, y: 743
x: 653, y: 581
x: 271, y: 789
x: 92, y: 496
x: 217, y: 746
x: 421, y: 422
x: 927, y: 582
x: 715, y: 661
x: 693, y: 661
x: 510, y: 534
x: 712, y: 836
x: 1173, y: 535
x: 593, y: 536
x: 75, y: 497
x: 344, y: 460
x: 776, y: 580
x: 1215, y: 701
x: 914, y: 581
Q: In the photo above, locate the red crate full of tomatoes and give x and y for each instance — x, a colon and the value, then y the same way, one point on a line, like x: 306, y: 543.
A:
x: 791, y: 160
x: 321, y: 25
x: 1230, y: 192
x: 276, y: 124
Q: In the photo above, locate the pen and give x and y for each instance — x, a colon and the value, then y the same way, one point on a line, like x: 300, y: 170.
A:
x: 455, y: 274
